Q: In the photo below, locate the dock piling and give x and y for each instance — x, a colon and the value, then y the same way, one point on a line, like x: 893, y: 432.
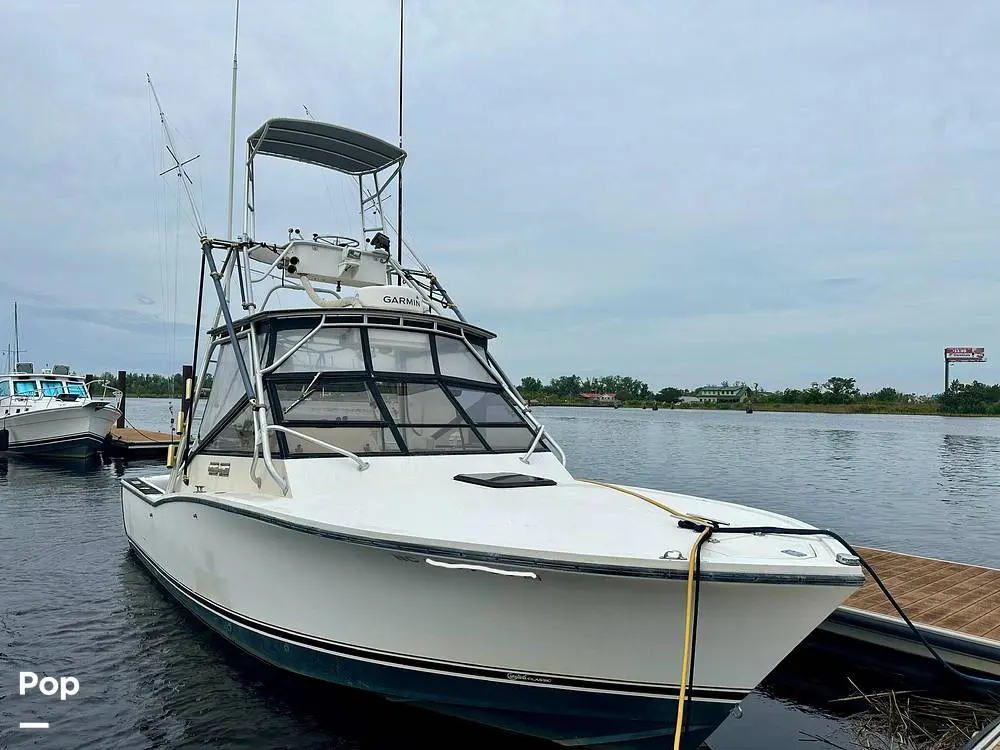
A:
x: 120, y: 424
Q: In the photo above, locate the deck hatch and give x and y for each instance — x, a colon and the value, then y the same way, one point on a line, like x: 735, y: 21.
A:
x: 505, y: 480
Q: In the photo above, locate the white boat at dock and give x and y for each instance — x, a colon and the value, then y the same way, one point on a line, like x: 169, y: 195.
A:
x: 367, y: 500
x: 52, y: 414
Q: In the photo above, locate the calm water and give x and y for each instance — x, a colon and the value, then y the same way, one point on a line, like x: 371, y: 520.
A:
x: 73, y: 602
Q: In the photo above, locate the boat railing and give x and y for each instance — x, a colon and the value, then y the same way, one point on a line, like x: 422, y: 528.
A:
x: 260, y: 419
x: 296, y: 287
x: 294, y: 348
x: 277, y: 261
x: 107, y: 388
x: 511, y: 391
x: 411, y: 283
x: 362, y: 464
x: 526, y: 458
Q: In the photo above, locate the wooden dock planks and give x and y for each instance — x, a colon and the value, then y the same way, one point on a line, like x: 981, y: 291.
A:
x: 956, y: 608
x: 134, y: 436
x: 955, y: 596
x: 125, y: 442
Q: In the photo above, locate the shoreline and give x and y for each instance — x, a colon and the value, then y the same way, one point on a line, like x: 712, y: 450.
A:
x: 874, y: 407
x: 920, y: 410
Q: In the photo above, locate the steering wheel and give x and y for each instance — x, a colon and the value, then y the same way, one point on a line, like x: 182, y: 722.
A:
x: 336, y: 240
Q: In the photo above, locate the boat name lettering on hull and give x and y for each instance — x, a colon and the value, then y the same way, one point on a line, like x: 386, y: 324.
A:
x: 521, y: 677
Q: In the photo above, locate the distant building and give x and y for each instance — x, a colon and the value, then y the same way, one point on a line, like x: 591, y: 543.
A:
x: 721, y: 394
x: 603, y: 397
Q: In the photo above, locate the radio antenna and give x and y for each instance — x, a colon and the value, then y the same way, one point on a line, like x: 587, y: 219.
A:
x: 232, y: 129
x: 399, y: 198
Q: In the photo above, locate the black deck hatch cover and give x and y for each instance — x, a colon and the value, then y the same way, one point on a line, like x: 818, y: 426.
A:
x: 504, y: 480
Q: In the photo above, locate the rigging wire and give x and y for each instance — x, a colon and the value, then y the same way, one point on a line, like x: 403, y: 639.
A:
x: 175, y: 307
x: 988, y: 682
x: 182, y: 175
x: 170, y: 289
x: 326, y: 185
x: 162, y: 220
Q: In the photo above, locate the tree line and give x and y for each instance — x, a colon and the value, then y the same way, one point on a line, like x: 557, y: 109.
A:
x: 960, y: 398
x: 970, y: 398
x: 835, y: 391
x: 145, y: 384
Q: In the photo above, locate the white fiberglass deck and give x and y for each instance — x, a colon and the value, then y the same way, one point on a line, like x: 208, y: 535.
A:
x: 407, y: 499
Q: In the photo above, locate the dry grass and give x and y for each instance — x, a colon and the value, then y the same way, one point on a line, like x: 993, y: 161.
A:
x: 897, y: 720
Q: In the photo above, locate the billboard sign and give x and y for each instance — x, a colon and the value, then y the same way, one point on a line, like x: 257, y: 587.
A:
x: 965, y: 354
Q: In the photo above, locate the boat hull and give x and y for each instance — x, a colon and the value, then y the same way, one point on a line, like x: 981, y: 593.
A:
x: 65, y: 432
x: 581, y: 659
x: 584, y: 719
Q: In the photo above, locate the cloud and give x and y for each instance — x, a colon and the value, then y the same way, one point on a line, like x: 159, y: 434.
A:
x: 679, y: 191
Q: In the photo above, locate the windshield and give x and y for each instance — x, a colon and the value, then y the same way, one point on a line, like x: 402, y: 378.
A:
x: 399, y: 415
x: 25, y: 388
x: 52, y: 388
x: 372, y: 391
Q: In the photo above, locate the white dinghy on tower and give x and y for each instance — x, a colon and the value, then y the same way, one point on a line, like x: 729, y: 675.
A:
x: 367, y: 500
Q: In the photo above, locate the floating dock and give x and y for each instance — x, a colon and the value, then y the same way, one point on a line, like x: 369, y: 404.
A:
x: 987, y: 738
x: 955, y: 606
x: 124, y: 442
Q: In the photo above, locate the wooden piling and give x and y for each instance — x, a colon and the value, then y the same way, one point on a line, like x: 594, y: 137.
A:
x: 120, y: 424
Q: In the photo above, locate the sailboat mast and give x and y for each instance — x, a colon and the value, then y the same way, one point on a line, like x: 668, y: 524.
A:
x: 399, y: 200
x: 17, y: 338
x: 232, y: 129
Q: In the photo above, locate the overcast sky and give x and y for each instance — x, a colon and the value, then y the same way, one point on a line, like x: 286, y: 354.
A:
x: 680, y: 191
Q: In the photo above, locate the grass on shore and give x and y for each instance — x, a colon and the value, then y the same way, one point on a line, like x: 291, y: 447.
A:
x: 929, y: 408
x: 864, y: 407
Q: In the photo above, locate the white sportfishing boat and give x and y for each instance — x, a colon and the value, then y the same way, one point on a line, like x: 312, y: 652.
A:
x: 52, y: 414
x: 367, y: 500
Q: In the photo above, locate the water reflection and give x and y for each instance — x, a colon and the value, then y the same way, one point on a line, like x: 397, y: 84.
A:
x: 968, y: 465
x: 71, y: 596
x: 843, y: 446
x: 65, y: 466
x: 182, y: 675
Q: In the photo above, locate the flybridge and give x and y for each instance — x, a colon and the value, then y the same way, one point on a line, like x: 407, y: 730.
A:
x: 306, y: 263
x: 345, y: 336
